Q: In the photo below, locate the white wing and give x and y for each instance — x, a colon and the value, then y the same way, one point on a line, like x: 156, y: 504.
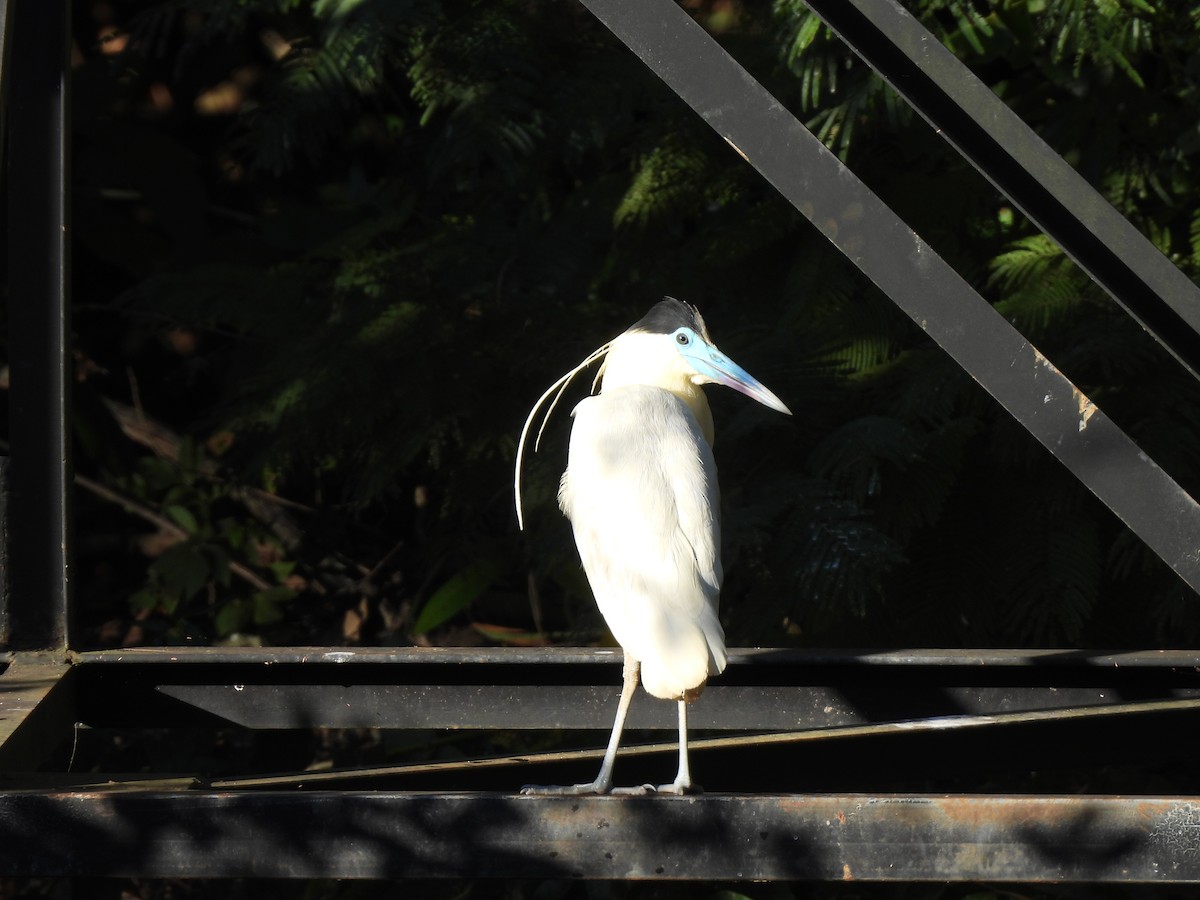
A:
x: 641, y: 493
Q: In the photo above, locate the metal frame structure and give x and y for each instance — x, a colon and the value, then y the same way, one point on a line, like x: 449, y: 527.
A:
x: 829, y: 716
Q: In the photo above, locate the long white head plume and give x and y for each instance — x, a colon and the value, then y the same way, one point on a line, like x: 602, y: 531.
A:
x: 560, y: 385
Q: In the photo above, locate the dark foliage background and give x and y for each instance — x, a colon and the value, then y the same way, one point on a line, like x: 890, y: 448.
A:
x: 328, y: 252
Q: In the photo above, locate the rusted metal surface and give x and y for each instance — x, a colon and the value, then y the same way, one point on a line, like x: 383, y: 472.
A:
x: 725, y: 837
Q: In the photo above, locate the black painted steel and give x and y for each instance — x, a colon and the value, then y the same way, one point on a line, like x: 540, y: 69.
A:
x: 39, y: 469
x: 555, y: 706
x: 1024, y: 168
x: 4, y: 544
x: 1055, y: 710
x: 577, y: 688
x: 711, y: 837
x: 919, y: 281
x: 472, y: 688
x: 6, y: 8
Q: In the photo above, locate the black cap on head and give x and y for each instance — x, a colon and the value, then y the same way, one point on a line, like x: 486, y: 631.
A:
x: 670, y: 314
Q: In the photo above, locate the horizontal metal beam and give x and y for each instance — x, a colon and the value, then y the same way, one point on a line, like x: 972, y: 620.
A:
x: 741, y: 659
x: 933, y: 713
x: 184, y: 824
x: 761, y: 690
x: 906, y: 268
x: 710, y: 837
x: 551, y: 706
x: 540, y: 688
x: 710, y: 755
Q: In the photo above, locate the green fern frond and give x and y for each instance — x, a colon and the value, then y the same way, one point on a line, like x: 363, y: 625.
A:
x: 669, y: 182
x: 1028, y: 259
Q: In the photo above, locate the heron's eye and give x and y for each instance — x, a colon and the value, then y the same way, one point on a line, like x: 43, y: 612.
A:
x: 683, y: 339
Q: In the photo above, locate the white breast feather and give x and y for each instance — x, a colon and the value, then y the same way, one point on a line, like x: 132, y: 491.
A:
x: 641, y: 493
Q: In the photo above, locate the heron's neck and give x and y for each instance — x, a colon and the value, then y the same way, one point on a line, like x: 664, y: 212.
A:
x: 626, y: 364
x: 698, y: 404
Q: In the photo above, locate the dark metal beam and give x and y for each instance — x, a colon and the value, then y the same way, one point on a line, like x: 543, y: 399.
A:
x: 6, y: 8
x: 1024, y: 168
x: 36, y: 614
x: 554, y: 706
x: 182, y: 834
x: 577, y: 688
x: 176, y: 825
x: 919, y: 281
x: 741, y: 659
x: 36, y: 710
x: 729, y: 757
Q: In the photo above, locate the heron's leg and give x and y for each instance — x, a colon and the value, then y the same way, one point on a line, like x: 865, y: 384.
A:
x: 683, y: 780
x: 603, y: 783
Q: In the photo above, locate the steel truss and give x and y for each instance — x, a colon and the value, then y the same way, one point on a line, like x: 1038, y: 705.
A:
x: 794, y: 740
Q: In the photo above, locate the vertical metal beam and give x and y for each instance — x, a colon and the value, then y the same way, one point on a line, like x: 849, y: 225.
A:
x: 6, y: 8
x: 39, y: 476
x: 1024, y: 168
x: 919, y: 281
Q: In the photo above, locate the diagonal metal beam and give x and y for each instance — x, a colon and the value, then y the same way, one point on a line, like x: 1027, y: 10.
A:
x: 1024, y: 168
x: 906, y: 268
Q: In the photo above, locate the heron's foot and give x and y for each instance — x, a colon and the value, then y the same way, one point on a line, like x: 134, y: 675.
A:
x: 639, y: 790
x: 566, y: 790
x: 679, y: 789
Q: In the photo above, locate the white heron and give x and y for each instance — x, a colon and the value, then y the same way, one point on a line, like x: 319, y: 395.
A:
x: 641, y: 492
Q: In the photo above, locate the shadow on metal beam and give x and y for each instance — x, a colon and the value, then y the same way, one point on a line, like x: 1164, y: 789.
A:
x: 711, y: 837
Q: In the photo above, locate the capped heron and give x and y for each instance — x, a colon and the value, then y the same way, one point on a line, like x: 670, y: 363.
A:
x: 641, y: 492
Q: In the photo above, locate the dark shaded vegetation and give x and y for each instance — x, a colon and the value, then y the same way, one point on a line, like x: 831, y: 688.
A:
x: 327, y: 255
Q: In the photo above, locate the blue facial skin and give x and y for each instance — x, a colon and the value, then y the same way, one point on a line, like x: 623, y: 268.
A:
x: 711, y: 363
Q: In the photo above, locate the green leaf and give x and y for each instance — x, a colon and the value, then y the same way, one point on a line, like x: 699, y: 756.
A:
x: 183, y: 571
x: 220, y: 563
x: 146, y: 598
x: 232, y: 617
x: 268, y: 605
x: 457, y: 593
x: 234, y: 532
x: 183, y: 517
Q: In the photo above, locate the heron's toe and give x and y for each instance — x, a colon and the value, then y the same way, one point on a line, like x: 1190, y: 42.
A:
x: 564, y: 790
x: 635, y: 791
